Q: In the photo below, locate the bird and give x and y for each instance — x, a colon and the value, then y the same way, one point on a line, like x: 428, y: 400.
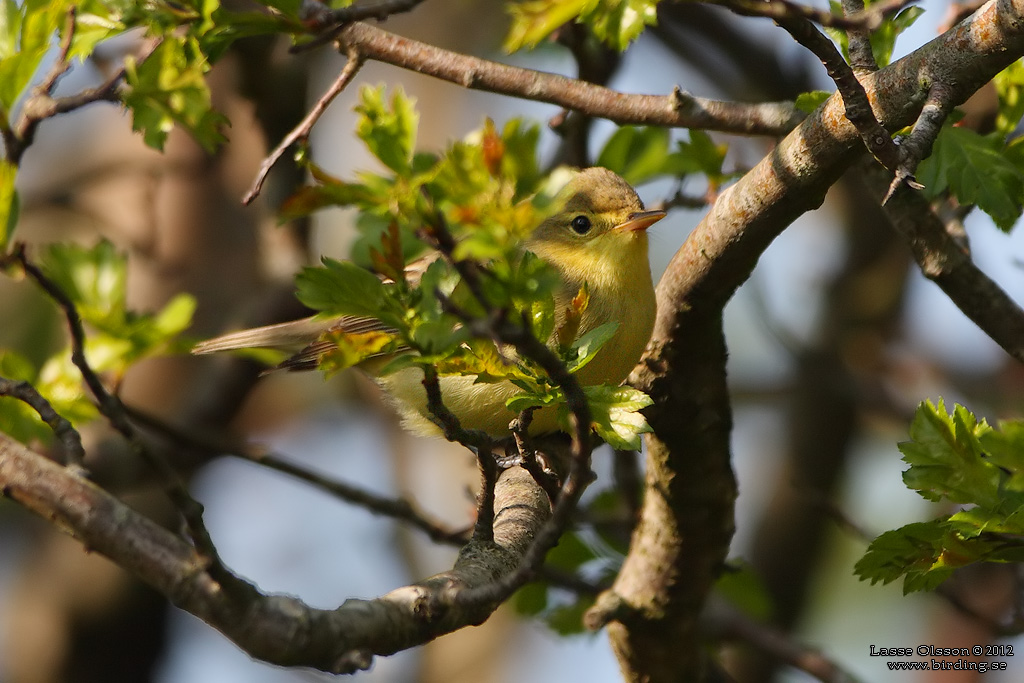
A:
x: 597, y: 240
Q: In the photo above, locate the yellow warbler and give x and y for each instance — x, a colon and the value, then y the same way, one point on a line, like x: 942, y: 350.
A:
x: 597, y: 239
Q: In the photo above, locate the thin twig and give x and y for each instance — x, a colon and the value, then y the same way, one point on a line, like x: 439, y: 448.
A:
x: 302, y: 131
x: 475, y: 440
x: 328, y: 22
x: 733, y: 624
x: 945, y: 262
x: 862, y: 57
x: 520, y: 428
x: 110, y: 407
x: 869, y: 19
x: 858, y: 108
x: 918, y: 145
x: 41, y: 105
x: 71, y: 440
x: 395, y: 508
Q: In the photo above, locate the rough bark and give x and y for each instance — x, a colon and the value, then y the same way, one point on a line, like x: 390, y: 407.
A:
x: 680, y: 544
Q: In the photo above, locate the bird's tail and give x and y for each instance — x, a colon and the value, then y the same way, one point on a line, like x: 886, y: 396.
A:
x: 290, y: 336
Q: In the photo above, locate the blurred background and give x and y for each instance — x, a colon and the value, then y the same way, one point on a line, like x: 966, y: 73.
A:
x: 833, y: 342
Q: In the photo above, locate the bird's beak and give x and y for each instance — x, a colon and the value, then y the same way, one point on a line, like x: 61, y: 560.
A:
x: 641, y: 220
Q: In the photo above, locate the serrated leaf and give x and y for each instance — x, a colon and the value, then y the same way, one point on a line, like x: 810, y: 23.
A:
x: 946, y: 457
x: 170, y: 88
x: 911, y: 549
x: 93, y: 278
x: 883, y: 39
x: 341, y: 288
x: 975, y: 170
x: 615, y: 415
x: 388, y: 131
x: 527, y: 399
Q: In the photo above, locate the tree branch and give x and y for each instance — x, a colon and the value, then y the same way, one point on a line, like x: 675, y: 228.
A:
x: 113, y: 410
x: 302, y: 130
x: 70, y: 439
x: 395, y: 508
x: 685, y: 528
x: 948, y: 264
x: 276, y: 628
x: 678, y: 109
x: 868, y: 19
x: 857, y: 106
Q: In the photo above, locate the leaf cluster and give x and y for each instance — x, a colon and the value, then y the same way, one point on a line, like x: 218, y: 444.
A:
x: 957, y: 459
x: 642, y: 154
x: 486, y: 192
x: 617, y: 23
x: 94, y: 280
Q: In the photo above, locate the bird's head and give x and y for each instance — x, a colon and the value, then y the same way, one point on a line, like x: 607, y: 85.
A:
x: 600, y: 225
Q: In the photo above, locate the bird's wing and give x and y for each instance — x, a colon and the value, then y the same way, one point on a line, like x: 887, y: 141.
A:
x: 306, y: 337
x: 308, y: 358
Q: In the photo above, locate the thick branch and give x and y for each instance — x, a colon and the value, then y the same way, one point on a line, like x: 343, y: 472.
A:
x: 277, y: 628
x: 946, y: 263
x: 677, y: 109
x: 680, y: 543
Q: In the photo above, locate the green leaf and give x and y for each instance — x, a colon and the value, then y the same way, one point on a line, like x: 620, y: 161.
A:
x: 1009, y: 85
x: 912, y: 551
x: 742, y: 587
x: 637, y: 154
x: 170, y: 88
x: 954, y: 456
x: 586, y: 347
x: 883, y: 39
x: 615, y: 414
x: 10, y: 28
x: 9, y: 203
x: 341, y: 288
x: 535, y: 20
x: 93, y: 278
x: 975, y: 170
x: 17, y: 419
x: 95, y: 21
x: 176, y: 316
x: 946, y: 457
x: 531, y: 599
x: 389, y: 132
x: 702, y: 155
x: 617, y: 23
x: 809, y: 101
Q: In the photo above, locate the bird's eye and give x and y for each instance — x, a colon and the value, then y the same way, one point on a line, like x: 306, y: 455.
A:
x: 581, y: 225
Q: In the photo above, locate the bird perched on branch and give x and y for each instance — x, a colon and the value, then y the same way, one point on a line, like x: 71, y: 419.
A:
x: 596, y: 241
